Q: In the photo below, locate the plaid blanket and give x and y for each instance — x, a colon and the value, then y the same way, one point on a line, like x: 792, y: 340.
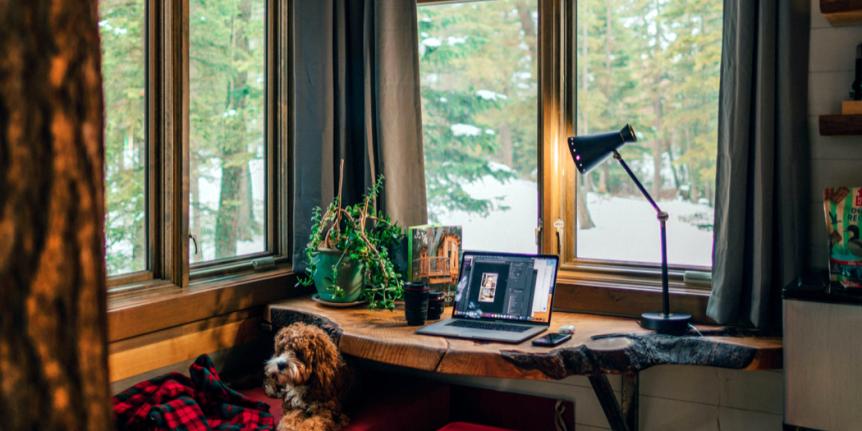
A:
x: 200, y: 402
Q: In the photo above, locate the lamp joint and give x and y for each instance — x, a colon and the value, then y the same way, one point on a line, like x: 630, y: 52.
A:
x: 662, y: 216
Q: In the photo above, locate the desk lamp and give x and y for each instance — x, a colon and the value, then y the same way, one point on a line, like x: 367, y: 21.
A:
x: 590, y: 151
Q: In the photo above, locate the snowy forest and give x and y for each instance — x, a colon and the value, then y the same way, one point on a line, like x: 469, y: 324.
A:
x: 652, y: 63
x: 226, y: 115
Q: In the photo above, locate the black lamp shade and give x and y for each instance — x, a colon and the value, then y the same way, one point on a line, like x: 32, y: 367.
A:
x: 591, y: 150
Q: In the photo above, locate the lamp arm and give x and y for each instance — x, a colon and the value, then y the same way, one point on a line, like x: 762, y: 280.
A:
x: 638, y: 183
x: 662, y: 218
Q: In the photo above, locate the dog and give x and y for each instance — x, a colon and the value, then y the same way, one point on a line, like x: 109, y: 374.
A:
x: 310, y: 377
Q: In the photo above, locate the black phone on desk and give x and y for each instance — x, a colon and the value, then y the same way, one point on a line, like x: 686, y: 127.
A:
x: 552, y: 339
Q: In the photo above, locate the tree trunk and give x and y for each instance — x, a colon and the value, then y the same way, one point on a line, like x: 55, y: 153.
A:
x: 53, y: 354
x: 658, y: 144
x: 526, y: 17
x: 585, y: 219
x: 604, y: 172
x: 246, y: 207
x: 608, y: 81
x: 227, y: 231
x: 672, y: 162
x: 505, y: 155
x: 195, y: 253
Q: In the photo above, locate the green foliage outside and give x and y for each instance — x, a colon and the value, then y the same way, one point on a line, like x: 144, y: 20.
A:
x: 226, y: 74
x: 122, y: 31
x: 652, y: 63
x: 479, y: 93
x: 226, y: 114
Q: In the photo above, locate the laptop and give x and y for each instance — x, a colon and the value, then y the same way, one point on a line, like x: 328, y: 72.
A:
x: 500, y: 297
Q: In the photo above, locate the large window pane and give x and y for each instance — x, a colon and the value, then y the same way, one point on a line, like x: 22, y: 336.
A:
x: 123, y: 28
x: 227, y: 183
x: 654, y: 64
x: 478, y: 64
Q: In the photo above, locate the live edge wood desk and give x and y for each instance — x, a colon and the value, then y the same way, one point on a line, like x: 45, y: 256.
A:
x: 600, y: 346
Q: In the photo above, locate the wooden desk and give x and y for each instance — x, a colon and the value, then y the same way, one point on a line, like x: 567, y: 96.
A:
x: 600, y: 346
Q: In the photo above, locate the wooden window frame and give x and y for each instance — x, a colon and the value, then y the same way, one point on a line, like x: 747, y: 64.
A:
x: 585, y: 285
x: 588, y: 285
x: 171, y: 284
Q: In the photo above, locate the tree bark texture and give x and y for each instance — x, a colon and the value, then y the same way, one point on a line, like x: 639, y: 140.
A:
x: 53, y: 354
x: 233, y: 199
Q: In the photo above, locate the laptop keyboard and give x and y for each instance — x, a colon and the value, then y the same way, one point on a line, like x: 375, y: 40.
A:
x: 488, y: 325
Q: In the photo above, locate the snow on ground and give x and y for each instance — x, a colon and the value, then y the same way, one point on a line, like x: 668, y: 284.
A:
x: 502, y: 230
x: 626, y: 227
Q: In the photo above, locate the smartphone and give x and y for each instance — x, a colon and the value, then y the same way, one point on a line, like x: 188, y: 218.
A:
x: 552, y: 339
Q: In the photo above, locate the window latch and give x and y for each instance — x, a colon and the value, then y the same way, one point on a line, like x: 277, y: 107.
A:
x: 263, y: 263
x: 559, y: 224
x: 538, y: 232
x: 195, y: 243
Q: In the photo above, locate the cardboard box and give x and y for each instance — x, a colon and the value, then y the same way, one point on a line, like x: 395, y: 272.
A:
x: 851, y: 107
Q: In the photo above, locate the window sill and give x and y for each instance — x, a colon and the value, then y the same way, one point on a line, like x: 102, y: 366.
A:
x: 161, y: 306
x: 609, y: 295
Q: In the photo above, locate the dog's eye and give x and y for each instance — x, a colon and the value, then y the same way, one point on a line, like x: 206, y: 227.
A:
x: 299, y: 356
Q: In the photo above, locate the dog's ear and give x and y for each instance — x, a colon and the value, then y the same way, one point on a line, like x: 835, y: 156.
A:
x: 280, y: 339
x: 324, y: 360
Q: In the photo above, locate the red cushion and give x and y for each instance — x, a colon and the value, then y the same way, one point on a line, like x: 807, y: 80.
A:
x: 399, y: 404
x: 257, y: 394
x: 395, y: 405
x: 467, y: 426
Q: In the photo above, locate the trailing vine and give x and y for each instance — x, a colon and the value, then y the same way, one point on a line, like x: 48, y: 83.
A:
x: 363, y: 235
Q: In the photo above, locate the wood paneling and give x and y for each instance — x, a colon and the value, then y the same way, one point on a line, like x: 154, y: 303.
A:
x: 629, y: 301
x: 822, y: 357
x: 153, y: 351
x: 140, y: 312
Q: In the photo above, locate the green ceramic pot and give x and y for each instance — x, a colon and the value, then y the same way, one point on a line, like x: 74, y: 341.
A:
x: 348, y: 278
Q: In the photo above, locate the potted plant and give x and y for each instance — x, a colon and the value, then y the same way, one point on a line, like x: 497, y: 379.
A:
x: 348, y: 252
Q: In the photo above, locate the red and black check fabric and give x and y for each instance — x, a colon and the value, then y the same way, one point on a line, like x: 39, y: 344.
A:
x: 200, y: 402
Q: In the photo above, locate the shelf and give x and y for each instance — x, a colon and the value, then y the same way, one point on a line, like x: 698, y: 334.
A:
x: 842, y: 12
x: 840, y: 125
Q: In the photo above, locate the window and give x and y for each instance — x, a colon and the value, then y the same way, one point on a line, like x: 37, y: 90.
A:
x: 227, y: 136
x: 190, y: 149
x: 501, y: 94
x: 479, y: 87
x: 123, y: 30
x: 655, y: 65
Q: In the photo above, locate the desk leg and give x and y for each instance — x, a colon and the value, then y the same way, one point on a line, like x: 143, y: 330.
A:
x: 619, y: 419
x: 630, y: 399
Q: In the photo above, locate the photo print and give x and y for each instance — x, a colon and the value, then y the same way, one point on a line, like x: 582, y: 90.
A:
x: 489, y: 287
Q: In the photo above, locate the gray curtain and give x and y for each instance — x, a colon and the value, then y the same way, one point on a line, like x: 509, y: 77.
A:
x: 356, y: 66
x: 761, y: 193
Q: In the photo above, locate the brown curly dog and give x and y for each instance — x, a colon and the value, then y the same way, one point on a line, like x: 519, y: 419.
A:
x: 309, y: 376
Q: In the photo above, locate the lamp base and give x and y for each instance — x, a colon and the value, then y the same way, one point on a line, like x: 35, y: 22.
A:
x: 672, y: 323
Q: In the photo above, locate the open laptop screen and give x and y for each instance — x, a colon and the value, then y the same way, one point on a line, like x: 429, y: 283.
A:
x: 507, y: 287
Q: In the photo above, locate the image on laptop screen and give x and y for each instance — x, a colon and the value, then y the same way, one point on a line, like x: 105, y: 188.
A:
x: 506, y: 287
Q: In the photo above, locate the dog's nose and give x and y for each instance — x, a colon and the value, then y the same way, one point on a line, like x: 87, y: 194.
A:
x: 281, y: 365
